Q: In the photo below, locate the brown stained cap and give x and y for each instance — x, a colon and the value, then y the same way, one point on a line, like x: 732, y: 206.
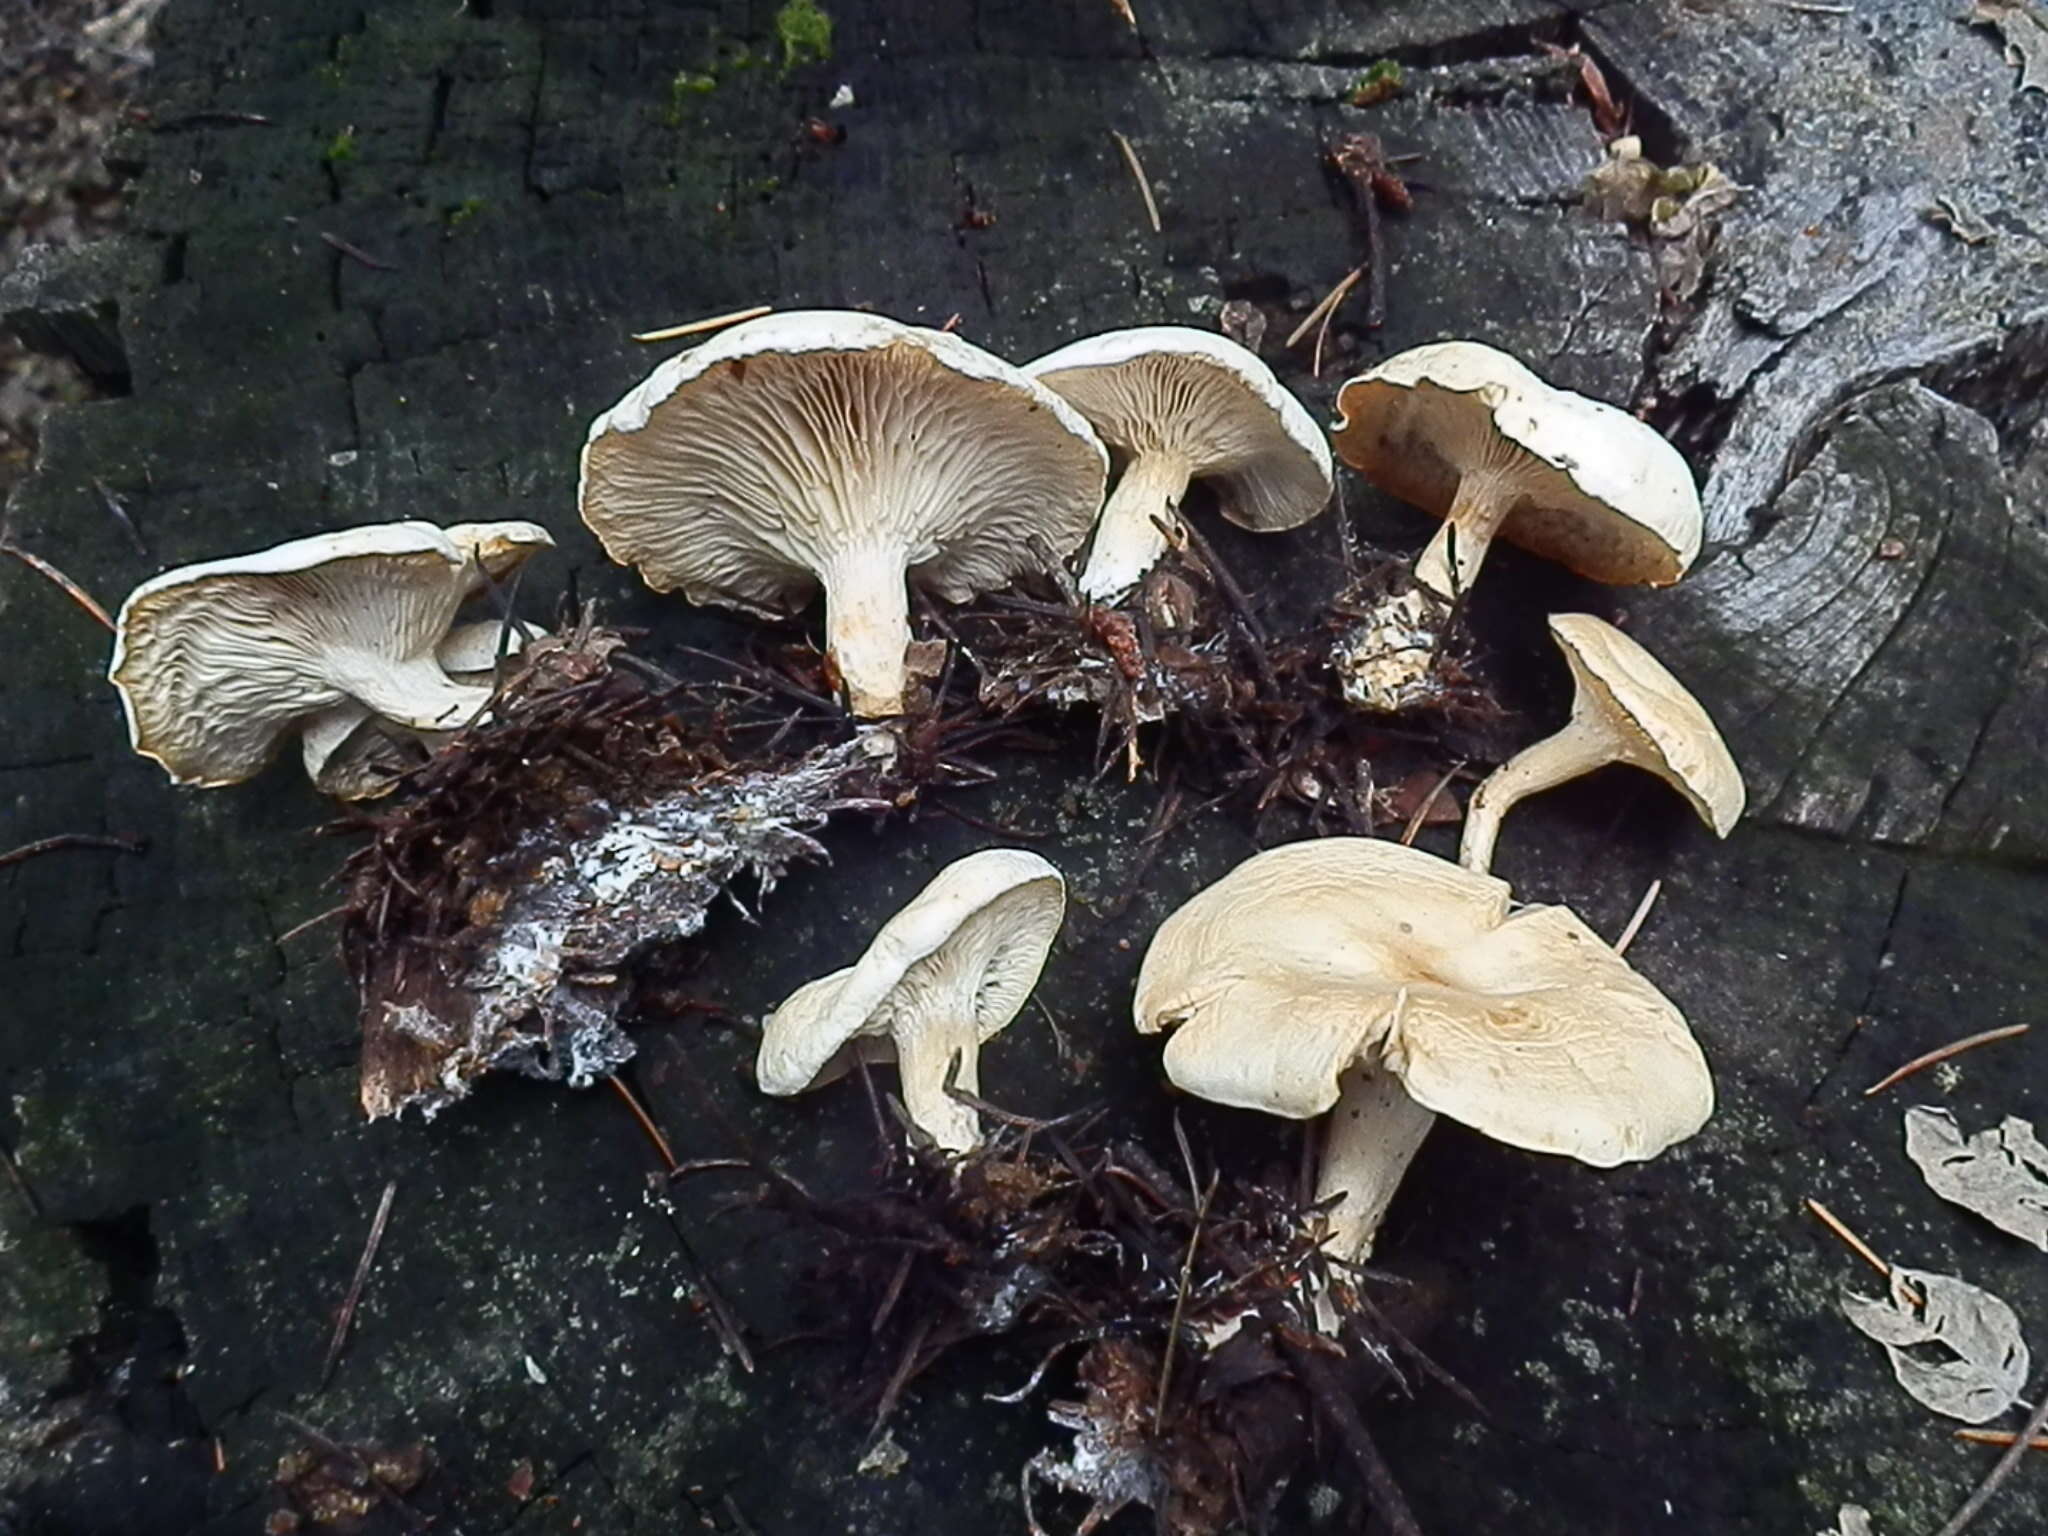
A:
x: 1594, y: 488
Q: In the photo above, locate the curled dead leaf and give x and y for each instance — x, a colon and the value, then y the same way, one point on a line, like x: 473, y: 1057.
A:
x: 1957, y: 1349
x: 2000, y: 1173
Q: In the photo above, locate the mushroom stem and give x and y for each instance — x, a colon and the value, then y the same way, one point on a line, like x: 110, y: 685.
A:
x: 1129, y: 538
x: 416, y: 694
x: 1586, y: 743
x: 867, y: 627
x: 1450, y: 563
x: 1369, y: 1139
x: 924, y: 1056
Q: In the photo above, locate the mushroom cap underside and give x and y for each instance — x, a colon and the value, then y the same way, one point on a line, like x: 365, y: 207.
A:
x: 1207, y: 402
x: 214, y: 661
x: 1598, y: 490
x: 740, y: 472
x: 1343, y: 951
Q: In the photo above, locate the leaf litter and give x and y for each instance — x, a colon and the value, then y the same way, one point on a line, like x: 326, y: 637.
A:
x: 2001, y: 1173
x: 1957, y: 1349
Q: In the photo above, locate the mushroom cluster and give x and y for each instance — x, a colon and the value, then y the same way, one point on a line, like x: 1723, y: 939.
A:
x: 1360, y: 982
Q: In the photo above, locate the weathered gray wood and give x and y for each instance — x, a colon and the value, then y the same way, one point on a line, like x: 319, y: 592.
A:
x: 1660, y: 1346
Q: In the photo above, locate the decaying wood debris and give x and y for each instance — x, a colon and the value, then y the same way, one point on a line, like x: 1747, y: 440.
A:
x: 1171, y: 1324
x: 602, y: 810
x: 1239, y: 706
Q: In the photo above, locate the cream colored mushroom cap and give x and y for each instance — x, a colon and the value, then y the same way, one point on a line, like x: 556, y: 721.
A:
x: 213, y: 661
x: 1632, y: 688
x: 739, y: 471
x: 1315, y: 956
x: 1002, y: 907
x: 340, y: 745
x: 499, y: 548
x: 1205, y: 399
x: 1605, y: 494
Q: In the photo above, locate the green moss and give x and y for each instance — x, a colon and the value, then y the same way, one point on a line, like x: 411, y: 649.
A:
x: 806, y: 33
x: 341, y: 148
x: 688, y: 84
x: 464, y: 211
x: 1382, y: 78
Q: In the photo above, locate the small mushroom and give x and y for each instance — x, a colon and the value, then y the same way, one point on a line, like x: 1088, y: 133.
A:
x: 1181, y: 405
x: 1629, y: 709
x: 352, y: 755
x: 1378, y: 986
x: 215, y: 661
x: 940, y: 979
x: 844, y: 450
x: 1470, y: 435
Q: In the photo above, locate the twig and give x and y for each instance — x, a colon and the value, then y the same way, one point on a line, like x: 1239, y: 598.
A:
x: 1328, y: 1393
x: 71, y: 840
x: 712, y: 323
x: 20, y: 1180
x: 1038, y: 1375
x: 355, y: 1287
x: 311, y: 923
x: 72, y: 589
x: 1812, y: 8
x: 2003, y: 1469
x: 1180, y: 1296
x: 1240, y: 606
x: 1635, y: 923
x: 661, y: 1146
x: 349, y: 1453
x: 1860, y: 1248
x: 356, y: 253
x: 1421, y: 815
x: 1323, y: 306
x: 1315, y: 366
x: 120, y: 515
x: 1942, y: 1053
x: 1138, y: 171
x: 2000, y: 1437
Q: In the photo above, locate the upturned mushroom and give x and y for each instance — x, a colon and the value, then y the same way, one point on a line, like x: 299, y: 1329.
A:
x: 940, y: 980
x: 1628, y: 709
x: 1179, y: 405
x: 351, y: 754
x: 1469, y: 434
x: 843, y: 450
x: 215, y: 661
x: 1377, y: 986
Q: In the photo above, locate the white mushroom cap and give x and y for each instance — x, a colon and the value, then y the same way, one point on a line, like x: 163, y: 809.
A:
x: 1628, y: 709
x: 499, y: 549
x: 1313, y: 966
x: 1185, y: 405
x: 350, y: 754
x: 214, y: 661
x: 942, y: 977
x: 1468, y: 433
x: 842, y: 449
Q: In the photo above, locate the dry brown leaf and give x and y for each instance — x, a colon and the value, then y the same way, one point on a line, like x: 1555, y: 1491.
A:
x: 1957, y: 1351
x: 2000, y: 1173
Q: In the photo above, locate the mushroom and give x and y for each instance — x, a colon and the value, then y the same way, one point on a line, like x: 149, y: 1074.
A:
x: 215, y: 661
x: 842, y: 449
x: 1379, y: 986
x: 940, y: 979
x: 1182, y: 405
x: 1628, y: 709
x: 352, y: 755
x: 1471, y: 435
